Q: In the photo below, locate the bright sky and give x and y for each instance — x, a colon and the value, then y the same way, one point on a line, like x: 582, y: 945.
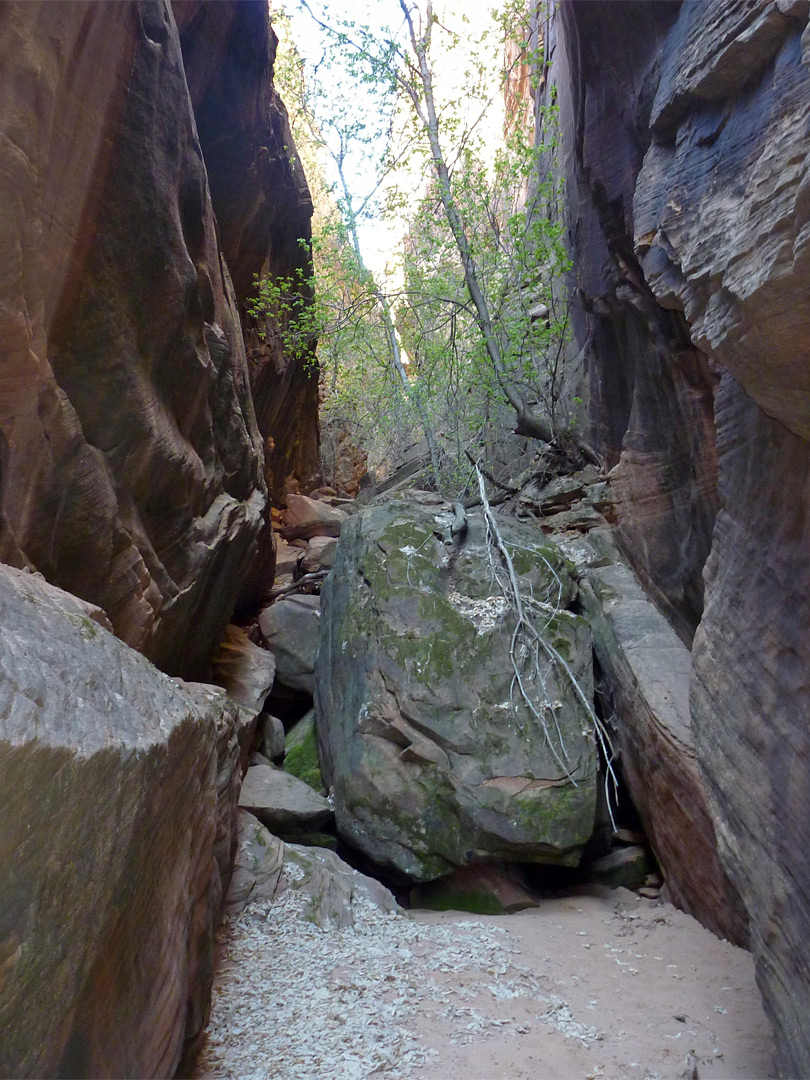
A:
x: 349, y: 101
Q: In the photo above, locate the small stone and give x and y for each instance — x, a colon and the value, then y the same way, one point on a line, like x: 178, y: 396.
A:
x: 319, y: 554
x: 282, y: 802
x: 272, y: 738
x: 627, y: 866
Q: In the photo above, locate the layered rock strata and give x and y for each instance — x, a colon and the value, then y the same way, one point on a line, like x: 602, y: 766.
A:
x: 131, y: 463
x: 688, y: 175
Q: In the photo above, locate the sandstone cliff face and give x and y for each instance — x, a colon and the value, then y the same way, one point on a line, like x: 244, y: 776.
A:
x: 262, y: 205
x: 689, y: 185
x: 131, y: 462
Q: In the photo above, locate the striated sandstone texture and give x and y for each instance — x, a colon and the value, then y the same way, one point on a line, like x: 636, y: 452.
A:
x: 646, y: 671
x: 118, y: 793
x: 650, y: 389
x: 689, y: 181
x: 262, y: 206
x: 751, y: 701
x: 132, y: 469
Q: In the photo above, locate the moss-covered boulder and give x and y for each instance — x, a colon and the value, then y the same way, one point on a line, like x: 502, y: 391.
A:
x: 435, y: 760
x: 301, y: 752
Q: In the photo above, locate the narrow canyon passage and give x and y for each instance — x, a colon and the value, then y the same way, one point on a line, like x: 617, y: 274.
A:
x: 404, y: 520
x: 585, y: 986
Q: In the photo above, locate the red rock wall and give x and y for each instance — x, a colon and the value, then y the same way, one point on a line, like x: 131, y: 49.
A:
x: 262, y: 205
x: 131, y: 462
x: 688, y: 180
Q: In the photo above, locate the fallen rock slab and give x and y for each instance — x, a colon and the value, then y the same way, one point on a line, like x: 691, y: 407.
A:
x: 305, y: 518
x: 257, y: 866
x: 647, y: 669
x: 291, y: 628
x: 282, y: 802
x: 325, y: 886
x: 118, y: 790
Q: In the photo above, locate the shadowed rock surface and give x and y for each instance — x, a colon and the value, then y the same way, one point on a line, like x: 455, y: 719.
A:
x: 118, y: 790
x: 262, y: 206
x: 131, y: 464
x: 751, y: 701
x: 431, y: 767
x: 688, y: 173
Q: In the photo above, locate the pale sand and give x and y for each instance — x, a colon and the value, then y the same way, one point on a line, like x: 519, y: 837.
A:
x: 656, y: 985
x: 586, y: 986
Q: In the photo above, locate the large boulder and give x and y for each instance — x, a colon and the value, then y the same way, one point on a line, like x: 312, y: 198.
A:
x: 118, y: 789
x: 434, y: 760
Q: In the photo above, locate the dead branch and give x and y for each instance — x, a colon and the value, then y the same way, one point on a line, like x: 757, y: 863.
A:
x: 528, y: 642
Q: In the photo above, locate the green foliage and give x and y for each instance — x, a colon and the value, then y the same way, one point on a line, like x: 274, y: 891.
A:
x: 453, y: 384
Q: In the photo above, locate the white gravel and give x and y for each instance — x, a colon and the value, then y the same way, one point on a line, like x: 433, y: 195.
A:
x: 293, y: 1001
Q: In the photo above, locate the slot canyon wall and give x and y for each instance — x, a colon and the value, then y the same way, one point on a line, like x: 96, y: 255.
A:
x: 686, y: 133
x: 146, y: 174
x: 140, y: 193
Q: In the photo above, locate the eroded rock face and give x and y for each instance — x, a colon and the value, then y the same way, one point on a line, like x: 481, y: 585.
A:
x: 131, y: 463
x: 262, y: 205
x: 431, y: 767
x: 650, y: 388
x: 118, y: 790
x: 689, y: 170
x: 751, y: 701
x: 722, y: 202
x: 132, y: 468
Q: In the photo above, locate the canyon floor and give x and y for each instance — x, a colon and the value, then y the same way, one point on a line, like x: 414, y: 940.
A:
x: 599, y: 984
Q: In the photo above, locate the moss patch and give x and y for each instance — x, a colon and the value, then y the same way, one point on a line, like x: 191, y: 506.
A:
x: 301, y: 753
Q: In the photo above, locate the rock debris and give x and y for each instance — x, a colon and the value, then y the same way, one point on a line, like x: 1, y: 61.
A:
x: 294, y: 1001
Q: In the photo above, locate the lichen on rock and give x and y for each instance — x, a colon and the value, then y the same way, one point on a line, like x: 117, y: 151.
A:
x: 418, y: 711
